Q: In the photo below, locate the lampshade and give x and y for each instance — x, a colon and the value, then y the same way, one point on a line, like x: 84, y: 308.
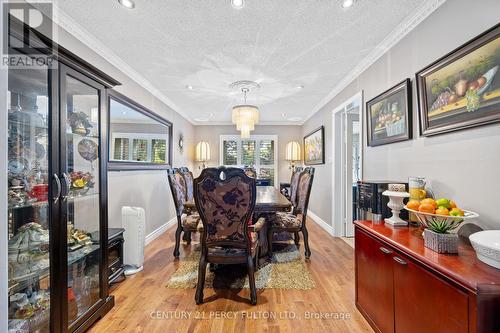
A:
x: 292, y: 152
x: 245, y: 117
x: 202, y: 151
x: 245, y: 113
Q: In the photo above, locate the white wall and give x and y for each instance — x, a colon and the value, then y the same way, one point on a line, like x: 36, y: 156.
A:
x: 211, y: 134
x: 461, y: 165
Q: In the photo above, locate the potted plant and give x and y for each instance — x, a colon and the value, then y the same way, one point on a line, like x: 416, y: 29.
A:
x: 438, y: 238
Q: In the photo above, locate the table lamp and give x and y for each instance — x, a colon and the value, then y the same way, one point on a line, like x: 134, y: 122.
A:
x: 292, y: 153
x: 202, y: 152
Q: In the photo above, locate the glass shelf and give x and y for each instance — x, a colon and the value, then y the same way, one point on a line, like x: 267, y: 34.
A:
x: 17, y: 284
x: 92, y: 136
x: 45, y: 203
x: 29, y: 204
x: 82, y: 196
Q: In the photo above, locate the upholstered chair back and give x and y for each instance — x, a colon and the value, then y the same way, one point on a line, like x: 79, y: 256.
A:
x: 304, y: 190
x: 188, y: 179
x: 294, y: 183
x: 178, y: 188
x: 225, y: 200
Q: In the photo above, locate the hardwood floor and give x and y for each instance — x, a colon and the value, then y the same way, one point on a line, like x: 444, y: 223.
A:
x: 143, y: 304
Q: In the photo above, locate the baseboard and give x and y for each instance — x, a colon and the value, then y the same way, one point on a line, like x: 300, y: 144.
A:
x: 328, y: 228
x: 160, y: 230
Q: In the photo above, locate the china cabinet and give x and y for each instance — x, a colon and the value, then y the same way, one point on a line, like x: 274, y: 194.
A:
x: 57, y: 192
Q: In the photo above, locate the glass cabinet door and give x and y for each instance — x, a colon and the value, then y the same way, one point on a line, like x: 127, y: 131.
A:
x: 80, y: 141
x: 29, y: 222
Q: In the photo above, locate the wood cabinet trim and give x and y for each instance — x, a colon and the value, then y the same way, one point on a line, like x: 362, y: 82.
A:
x: 470, y: 283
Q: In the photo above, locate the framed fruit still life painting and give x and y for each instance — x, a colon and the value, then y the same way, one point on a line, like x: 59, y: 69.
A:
x: 314, y: 147
x: 462, y: 89
x: 389, y: 115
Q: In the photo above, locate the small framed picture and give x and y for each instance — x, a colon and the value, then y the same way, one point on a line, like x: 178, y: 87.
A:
x: 314, y: 147
x: 389, y: 116
x: 462, y: 89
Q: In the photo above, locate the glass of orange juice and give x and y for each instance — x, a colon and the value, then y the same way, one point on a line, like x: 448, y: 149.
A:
x: 416, y: 187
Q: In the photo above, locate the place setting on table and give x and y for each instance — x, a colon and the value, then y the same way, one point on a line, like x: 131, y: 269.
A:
x: 224, y: 201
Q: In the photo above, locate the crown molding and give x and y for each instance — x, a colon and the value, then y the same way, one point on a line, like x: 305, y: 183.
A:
x: 405, y: 27
x: 67, y: 23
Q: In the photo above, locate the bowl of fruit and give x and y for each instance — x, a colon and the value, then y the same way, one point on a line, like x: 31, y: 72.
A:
x: 441, y: 215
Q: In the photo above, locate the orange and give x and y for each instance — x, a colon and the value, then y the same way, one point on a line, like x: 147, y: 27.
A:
x: 413, y: 204
x: 453, y: 204
x: 429, y: 201
x: 442, y: 211
x: 426, y: 208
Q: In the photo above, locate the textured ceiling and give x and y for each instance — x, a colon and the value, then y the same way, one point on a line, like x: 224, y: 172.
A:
x: 207, y: 44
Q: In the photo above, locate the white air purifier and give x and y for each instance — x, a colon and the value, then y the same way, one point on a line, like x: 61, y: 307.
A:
x: 134, y: 223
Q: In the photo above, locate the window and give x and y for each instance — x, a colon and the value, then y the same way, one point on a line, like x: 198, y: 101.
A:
x: 146, y: 148
x: 139, y: 139
x: 258, y: 152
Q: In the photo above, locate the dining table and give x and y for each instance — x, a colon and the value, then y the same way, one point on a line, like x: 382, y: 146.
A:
x: 268, y: 201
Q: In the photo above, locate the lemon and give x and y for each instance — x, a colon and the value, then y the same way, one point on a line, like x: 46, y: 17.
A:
x: 79, y: 183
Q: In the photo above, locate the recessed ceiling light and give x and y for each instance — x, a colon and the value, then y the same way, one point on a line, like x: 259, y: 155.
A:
x: 283, y: 114
x: 347, y: 3
x: 211, y: 115
x: 190, y: 87
x: 127, y: 3
x: 300, y: 87
x: 201, y: 120
x: 238, y: 4
x: 124, y: 112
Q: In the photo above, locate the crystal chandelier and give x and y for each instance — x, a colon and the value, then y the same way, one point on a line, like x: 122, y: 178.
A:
x: 245, y: 116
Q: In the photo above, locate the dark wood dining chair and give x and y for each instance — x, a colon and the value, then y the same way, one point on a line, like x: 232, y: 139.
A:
x: 185, y: 223
x: 289, y: 189
x: 295, y: 221
x: 188, y: 181
x: 225, y: 199
x: 294, y: 184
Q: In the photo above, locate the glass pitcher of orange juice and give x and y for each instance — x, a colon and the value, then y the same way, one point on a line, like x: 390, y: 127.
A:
x: 416, y: 187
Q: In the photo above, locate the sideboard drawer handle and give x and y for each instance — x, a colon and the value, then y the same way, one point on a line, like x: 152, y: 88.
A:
x: 399, y: 260
x: 386, y: 251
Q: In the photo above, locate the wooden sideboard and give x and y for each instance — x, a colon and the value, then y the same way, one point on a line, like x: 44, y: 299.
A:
x: 402, y: 286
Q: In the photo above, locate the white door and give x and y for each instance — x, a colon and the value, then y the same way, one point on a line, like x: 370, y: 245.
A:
x: 351, y: 163
x: 347, y: 143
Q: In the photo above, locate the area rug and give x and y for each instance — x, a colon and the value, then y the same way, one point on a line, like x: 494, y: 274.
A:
x: 286, y: 270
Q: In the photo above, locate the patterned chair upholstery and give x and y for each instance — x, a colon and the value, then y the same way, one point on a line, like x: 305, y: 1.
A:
x: 225, y: 200
x: 191, y: 222
x: 286, y: 188
x: 186, y: 224
x: 188, y: 180
x: 286, y: 220
x: 295, y: 222
x: 294, y: 183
